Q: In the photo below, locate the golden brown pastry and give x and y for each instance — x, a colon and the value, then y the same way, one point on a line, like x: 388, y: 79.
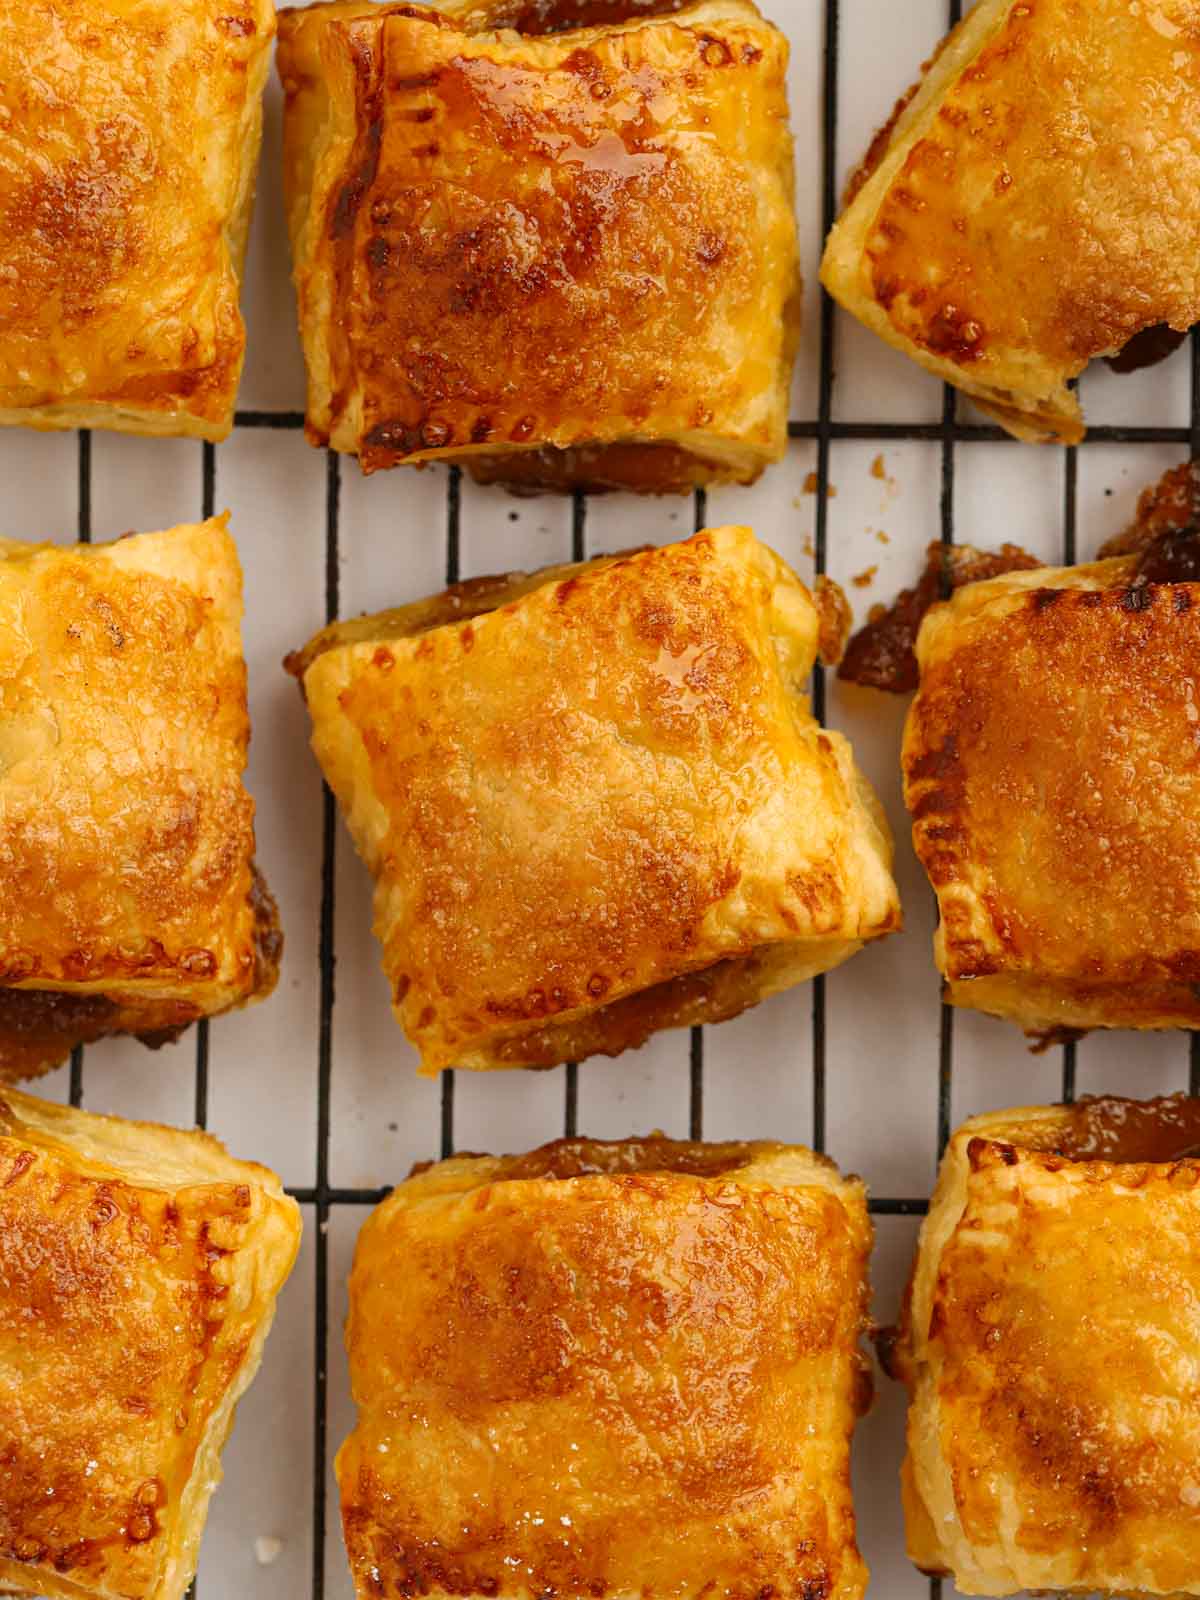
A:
x: 129, y: 901
x: 128, y: 151
x: 595, y: 801
x: 1033, y: 202
x: 139, y: 1267
x: 1051, y: 768
x: 561, y: 258
x: 1050, y: 1342
x: 624, y: 1369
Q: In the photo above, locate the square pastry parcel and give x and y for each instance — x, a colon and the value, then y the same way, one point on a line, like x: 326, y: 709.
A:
x: 139, y: 1267
x: 1050, y: 1342
x: 128, y: 153
x: 129, y: 897
x: 609, y: 1369
x: 1032, y: 203
x: 559, y: 257
x: 1052, y: 768
x: 596, y: 802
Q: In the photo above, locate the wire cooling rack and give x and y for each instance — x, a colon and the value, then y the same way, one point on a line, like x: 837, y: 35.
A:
x: 865, y: 1062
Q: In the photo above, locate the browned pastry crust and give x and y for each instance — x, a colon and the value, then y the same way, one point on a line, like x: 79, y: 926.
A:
x: 596, y: 803
x: 1032, y: 204
x: 1049, y: 1343
x: 626, y: 1369
x: 1051, y: 769
x: 139, y: 1267
x: 130, y: 899
x: 128, y: 153
x: 566, y: 259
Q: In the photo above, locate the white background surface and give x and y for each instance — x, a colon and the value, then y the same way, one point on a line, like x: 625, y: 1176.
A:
x: 882, y: 1014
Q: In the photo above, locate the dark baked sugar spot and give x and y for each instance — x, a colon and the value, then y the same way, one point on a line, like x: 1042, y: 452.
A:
x: 710, y: 248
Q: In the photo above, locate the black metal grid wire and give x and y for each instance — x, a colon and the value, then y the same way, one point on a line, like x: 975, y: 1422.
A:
x: 825, y: 430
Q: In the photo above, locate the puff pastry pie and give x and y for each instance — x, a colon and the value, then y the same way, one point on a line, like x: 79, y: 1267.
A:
x: 128, y: 149
x: 624, y: 1369
x: 595, y: 801
x: 1033, y: 202
x: 561, y: 258
x: 139, y: 1267
x: 1050, y: 1341
x: 128, y: 896
x: 1050, y: 765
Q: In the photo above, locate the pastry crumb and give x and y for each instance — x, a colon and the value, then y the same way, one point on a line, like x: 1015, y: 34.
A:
x: 863, y: 580
x: 882, y: 537
x: 812, y: 483
x: 267, y: 1550
x: 878, y: 470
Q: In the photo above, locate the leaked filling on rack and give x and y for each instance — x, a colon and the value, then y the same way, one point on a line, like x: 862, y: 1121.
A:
x: 882, y: 654
x: 1168, y: 506
x: 1164, y: 536
x: 630, y: 464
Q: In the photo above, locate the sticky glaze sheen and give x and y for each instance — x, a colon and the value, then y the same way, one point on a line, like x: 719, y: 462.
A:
x: 565, y: 259
x: 1110, y: 1128
x: 635, y: 1383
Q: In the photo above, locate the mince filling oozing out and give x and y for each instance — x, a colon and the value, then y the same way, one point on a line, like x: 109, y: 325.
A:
x: 536, y: 18
x: 1111, y: 1128
x: 583, y: 1158
x: 1163, y: 536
